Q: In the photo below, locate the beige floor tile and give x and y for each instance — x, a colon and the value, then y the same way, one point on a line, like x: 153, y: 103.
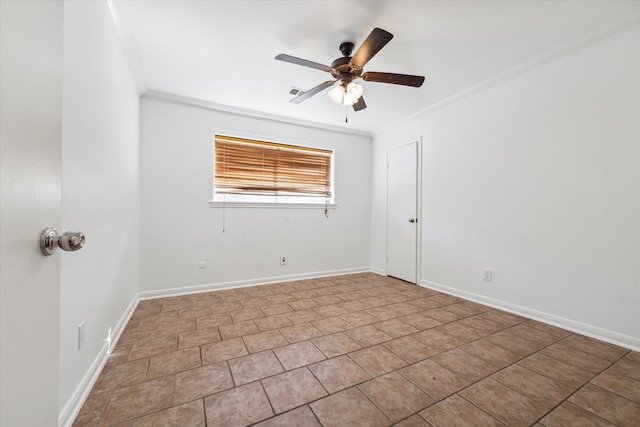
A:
x: 597, y: 348
x: 188, y: 414
x: 575, y: 357
x: 504, y: 404
x: 455, y: 411
x: 247, y: 314
x: 377, y: 360
x: 570, y: 415
x: 545, y: 390
x: 223, y: 350
x: 409, y: 349
x: 194, y: 312
x: 138, y: 400
x: 272, y: 310
x: 172, y: 329
x: 152, y: 346
x: 119, y: 375
x: 419, y: 321
x: 339, y: 373
x: 261, y: 341
x: 331, y: 325
x: 396, y: 328
x: 608, y: 405
x: 292, y: 389
x: 299, y: 354
x: 414, y: 421
x: 461, y: 331
x: 495, y: 355
x: 331, y: 310
x: 437, y: 341
x: 202, y: 382
x: 622, y: 385
x: 239, y: 406
x: 368, y: 335
x: 359, y: 318
x: 198, y: 337
x: 303, y: 316
x: 348, y: 408
x: 176, y: 361
x: 92, y: 410
x: 626, y: 367
x: 556, y: 369
x: 395, y: 396
x: 300, y: 332
x: 336, y: 344
x: 238, y: 329
x: 433, y: 379
x: 464, y: 364
x: 254, y: 367
x: 383, y: 313
x: 514, y: 342
x: 213, y: 320
x: 302, y: 416
x: 276, y: 321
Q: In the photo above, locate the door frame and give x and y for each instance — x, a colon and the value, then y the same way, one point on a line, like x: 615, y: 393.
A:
x: 418, y: 142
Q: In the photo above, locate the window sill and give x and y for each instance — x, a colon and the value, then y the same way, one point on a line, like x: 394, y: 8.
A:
x: 213, y: 204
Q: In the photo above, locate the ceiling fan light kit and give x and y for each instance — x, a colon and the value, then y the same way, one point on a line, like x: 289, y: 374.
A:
x: 348, y: 68
x: 348, y: 95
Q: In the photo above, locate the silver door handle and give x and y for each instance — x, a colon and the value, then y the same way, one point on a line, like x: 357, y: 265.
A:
x: 69, y: 241
x: 412, y: 220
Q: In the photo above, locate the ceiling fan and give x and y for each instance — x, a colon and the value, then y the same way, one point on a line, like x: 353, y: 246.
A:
x: 348, y: 68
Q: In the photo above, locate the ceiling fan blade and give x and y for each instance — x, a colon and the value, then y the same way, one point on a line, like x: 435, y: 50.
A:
x: 360, y: 104
x: 308, y: 94
x: 376, y: 41
x: 396, y: 79
x: 303, y: 62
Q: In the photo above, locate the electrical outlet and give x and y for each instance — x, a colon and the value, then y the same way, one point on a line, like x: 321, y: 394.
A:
x: 487, y: 274
x: 283, y: 260
x: 81, y: 335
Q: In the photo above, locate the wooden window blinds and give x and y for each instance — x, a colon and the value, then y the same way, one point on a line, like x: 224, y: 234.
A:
x: 249, y: 167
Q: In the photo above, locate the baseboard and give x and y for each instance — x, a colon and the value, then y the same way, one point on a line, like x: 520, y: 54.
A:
x: 80, y: 394
x: 378, y: 271
x: 143, y: 295
x: 606, y: 335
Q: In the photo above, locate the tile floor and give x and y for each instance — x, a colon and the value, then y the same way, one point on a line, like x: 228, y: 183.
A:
x: 356, y: 350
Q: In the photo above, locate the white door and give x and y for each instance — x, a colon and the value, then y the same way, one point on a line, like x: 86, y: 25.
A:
x: 402, y: 212
x: 30, y: 177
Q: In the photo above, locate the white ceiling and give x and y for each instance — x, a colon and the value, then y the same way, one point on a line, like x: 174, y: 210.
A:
x: 223, y: 51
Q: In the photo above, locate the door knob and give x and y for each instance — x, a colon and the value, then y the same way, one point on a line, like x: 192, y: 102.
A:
x: 412, y: 220
x: 69, y: 241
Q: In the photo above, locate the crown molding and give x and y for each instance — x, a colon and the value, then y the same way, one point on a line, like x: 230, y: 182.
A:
x: 246, y: 113
x: 121, y: 21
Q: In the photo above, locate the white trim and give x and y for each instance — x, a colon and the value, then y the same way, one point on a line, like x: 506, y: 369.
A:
x: 121, y: 21
x: 418, y: 212
x: 213, y: 204
x: 560, y: 52
x: 246, y: 113
x: 163, y: 293
x: 74, y: 404
x: 378, y: 271
x: 598, y: 333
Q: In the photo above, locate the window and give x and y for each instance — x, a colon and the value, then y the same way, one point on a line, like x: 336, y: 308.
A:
x: 256, y: 171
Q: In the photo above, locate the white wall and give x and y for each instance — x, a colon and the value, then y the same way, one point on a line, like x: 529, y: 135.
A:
x: 179, y: 229
x: 537, y: 178
x: 30, y: 175
x: 100, y: 190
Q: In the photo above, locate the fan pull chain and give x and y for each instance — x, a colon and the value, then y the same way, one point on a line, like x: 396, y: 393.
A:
x: 346, y: 109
